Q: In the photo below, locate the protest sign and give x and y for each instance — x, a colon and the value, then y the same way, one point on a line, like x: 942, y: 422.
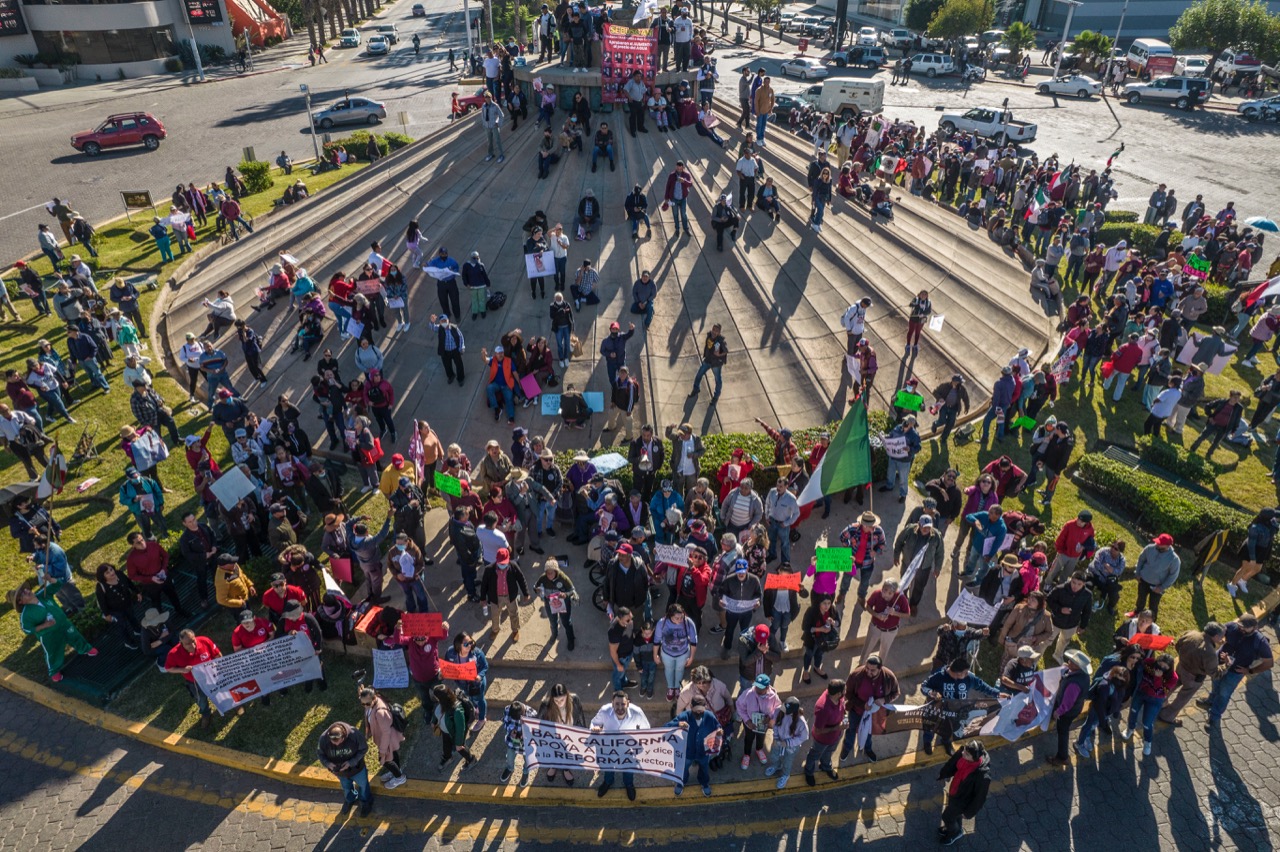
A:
x: 550, y: 404
x: 341, y: 568
x: 783, y: 582
x: 1197, y: 267
x: 538, y: 264
x: 659, y: 752
x: 429, y: 624
x: 607, y: 463
x: 1026, y: 710
x: 671, y: 554
x: 529, y: 384
x: 234, y: 679
x: 1152, y: 642
x: 448, y: 484
x: 908, y: 401
x: 232, y: 487
x: 935, y: 322
x: 390, y: 670
x: 833, y: 559
x: 953, y: 718
x: 594, y: 401
x: 971, y: 609
x: 459, y: 671
x: 625, y: 51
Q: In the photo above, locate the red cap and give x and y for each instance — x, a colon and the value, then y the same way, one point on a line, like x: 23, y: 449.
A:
x: 625, y: 547
x: 613, y: 326
x: 737, y: 451
x: 762, y: 632
x: 504, y: 556
x: 465, y: 486
x: 22, y: 264
x: 397, y: 460
x: 1163, y: 540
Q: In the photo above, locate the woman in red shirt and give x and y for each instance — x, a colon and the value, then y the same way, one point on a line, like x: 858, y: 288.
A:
x: 1158, y: 680
x: 340, y: 292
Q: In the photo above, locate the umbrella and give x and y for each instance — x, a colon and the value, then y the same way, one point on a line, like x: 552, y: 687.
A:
x: 1262, y: 223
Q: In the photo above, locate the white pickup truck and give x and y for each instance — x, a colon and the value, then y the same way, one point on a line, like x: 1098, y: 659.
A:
x: 997, y: 124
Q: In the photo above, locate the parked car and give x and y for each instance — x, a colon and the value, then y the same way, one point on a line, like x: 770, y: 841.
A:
x: 971, y: 43
x: 377, y: 46
x: 861, y: 55
x: 1232, y: 61
x: 1178, y: 91
x: 804, y: 68
x: 897, y: 37
x: 991, y: 37
x: 1254, y: 109
x: 351, y: 111
x: 388, y: 31
x: 783, y: 106
x: 988, y: 123
x: 473, y: 101
x: 1071, y: 84
x: 932, y: 64
x: 419, y: 11
x: 868, y: 36
x: 1191, y: 66
x: 126, y: 128
x: 786, y: 21
x: 350, y: 38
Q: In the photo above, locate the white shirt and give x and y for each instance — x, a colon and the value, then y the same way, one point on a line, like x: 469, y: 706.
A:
x: 747, y: 167
x: 686, y: 458
x: 190, y: 354
x: 855, y: 319
x: 608, y: 721
x: 492, y: 65
x: 682, y: 30
x: 11, y: 425
x: 490, y: 541
x: 559, y: 246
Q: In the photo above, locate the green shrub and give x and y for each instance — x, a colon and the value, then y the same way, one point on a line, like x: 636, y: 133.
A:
x: 1139, y: 236
x: 173, y: 64
x: 1177, y: 460
x: 1158, y: 506
x: 257, y: 176
x: 1121, y: 216
x: 12, y: 73
x: 27, y: 59
x: 396, y: 141
x: 357, y: 145
x: 1220, y: 300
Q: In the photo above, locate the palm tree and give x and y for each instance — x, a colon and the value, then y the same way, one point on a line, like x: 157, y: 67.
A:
x: 1092, y: 48
x: 1018, y: 37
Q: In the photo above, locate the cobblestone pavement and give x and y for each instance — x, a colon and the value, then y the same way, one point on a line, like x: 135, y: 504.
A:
x: 66, y: 785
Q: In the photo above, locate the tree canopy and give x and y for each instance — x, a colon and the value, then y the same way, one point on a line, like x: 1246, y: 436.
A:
x: 1215, y: 25
x: 960, y: 18
x: 920, y: 13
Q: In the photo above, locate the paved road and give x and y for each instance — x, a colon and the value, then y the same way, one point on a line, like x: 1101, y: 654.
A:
x: 66, y: 785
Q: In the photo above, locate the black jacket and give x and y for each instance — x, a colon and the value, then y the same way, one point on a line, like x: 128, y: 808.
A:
x: 949, y: 498
x: 515, y: 581
x: 465, y: 542
x: 989, y: 591
x: 628, y: 588
x: 657, y: 454
x: 962, y: 394
x: 972, y: 794
x: 1080, y: 603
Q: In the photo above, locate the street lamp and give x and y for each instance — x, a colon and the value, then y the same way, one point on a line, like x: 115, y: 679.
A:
x: 315, y: 141
x: 1066, y: 31
x: 1120, y: 26
x: 195, y: 48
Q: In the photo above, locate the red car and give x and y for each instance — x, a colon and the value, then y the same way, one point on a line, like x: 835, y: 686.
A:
x: 130, y: 128
x: 470, y: 102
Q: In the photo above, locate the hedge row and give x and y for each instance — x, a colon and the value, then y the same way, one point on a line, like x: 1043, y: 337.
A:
x: 1157, y: 505
x: 357, y: 144
x: 1177, y: 460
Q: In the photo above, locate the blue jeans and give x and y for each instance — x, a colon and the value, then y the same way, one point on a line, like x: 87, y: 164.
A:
x: 558, y: 618
x: 213, y: 380
x: 240, y: 220
x: 563, y: 349
x: 813, y: 657
x: 635, y: 223
x: 679, y: 210
x: 620, y: 676
x: 546, y: 516
x: 491, y: 83
x: 356, y: 787
x: 819, y: 205
x: 52, y: 255
x: 607, y: 150
x: 94, y: 372
x: 779, y: 537
x: 1091, y: 721
x: 1147, y: 708
x: 1221, y: 693
x: 761, y: 122
x: 646, y: 311
x: 779, y: 623
x: 415, y: 597
x: 704, y: 770
x: 202, y: 700
x: 340, y: 316
x: 673, y: 667
x: 493, y: 390
x: 648, y: 673
x: 702, y: 371
x: 628, y: 780
x: 900, y: 470
x: 986, y: 424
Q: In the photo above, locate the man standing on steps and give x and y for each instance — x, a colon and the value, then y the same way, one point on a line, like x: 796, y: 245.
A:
x: 451, y: 346
x: 744, y: 99
x: 682, y: 30
x: 619, y: 715
x: 635, y: 90
x: 546, y: 26
x: 746, y: 169
x: 714, y: 355
x: 662, y: 29
x: 764, y: 102
x: 614, y: 349
x: 707, y: 79
x: 446, y: 285
x: 476, y: 279
x: 855, y: 323
x: 679, y: 188
x: 491, y: 116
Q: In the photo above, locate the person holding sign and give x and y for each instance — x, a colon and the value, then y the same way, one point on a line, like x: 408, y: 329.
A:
x: 704, y: 740
x: 821, y: 631
x: 558, y: 596
x: 901, y: 446
x: 191, y: 651
x: 866, y: 540
x: 616, y: 716
x: 465, y: 656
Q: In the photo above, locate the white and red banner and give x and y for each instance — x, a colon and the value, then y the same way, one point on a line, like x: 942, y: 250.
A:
x: 237, y: 678
x: 658, y: 752
x: 626, y: 50
x: 1026, y: 710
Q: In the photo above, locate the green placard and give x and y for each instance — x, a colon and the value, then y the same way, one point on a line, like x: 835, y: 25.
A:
x: 1025, y: 422
x: 447, y: 484
x: 908, y: 401
x: 834, y: 559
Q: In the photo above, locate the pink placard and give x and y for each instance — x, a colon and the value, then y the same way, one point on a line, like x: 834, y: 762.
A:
x: 341, y: 569
x: 529, y: 384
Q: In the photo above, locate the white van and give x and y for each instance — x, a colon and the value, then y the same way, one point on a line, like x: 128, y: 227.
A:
x: 847, y: 98
x: 1149, y: 57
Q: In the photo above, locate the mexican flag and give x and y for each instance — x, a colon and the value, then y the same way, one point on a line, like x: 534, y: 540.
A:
x: 1116, y: 153
x: 847, y: 461
x: 1037, y: 202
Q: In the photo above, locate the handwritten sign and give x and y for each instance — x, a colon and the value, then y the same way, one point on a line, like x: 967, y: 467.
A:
x: 459, y: 671
x: 833, y: 559
x: 1197, y: 267
x: 447, y: 484
x: 789, y: 582
x: 935, y: 322
x: 550, y: 404
x: 390, y: 670
x: 429, y: 624
x: 971, y: 609
x: 671, y: 554
x: 1152, y: 643
x: 908, y: 401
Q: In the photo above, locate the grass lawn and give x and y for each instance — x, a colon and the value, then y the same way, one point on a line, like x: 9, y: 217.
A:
x: 94, y: 524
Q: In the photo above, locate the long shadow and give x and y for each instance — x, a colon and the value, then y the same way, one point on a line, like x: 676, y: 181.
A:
x: 1193, y: 831
x: 1233, y: 808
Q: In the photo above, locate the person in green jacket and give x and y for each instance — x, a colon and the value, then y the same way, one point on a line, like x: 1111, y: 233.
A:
x: 451, y: 723
x: 39, y: 615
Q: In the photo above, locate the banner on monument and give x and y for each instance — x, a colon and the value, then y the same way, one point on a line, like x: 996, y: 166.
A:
x: 626, y: 50
x: 237, y: 678
x: 658, y: 752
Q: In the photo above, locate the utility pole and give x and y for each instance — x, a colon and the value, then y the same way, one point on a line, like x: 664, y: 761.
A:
x: 195, y: 48
x: 1072, y: 5
x: 311, y: 122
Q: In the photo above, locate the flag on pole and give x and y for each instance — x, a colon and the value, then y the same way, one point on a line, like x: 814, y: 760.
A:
x: 1037, y: 202
x: 1116, y: 153
x: 1270, y: 287
x: 54, y: 477
x: 847, y: 462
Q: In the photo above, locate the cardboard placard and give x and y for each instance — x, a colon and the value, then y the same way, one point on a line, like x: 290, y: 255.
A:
x: 783, y: 582
x: 447, y: 484
x: 594, y: 400
x: 390, y: 671
x: 838, y: 559
x: 935, y: 322
x: 539, y: 263
x: 459, y: 671
x: 529, y: 384
x: 231, y: 487
x: 671, y: 554
x: 550, y: 404
x: 428, y: 624
x: 341, y: 568
x: 1152, y: 642
x: 908, y: 401
x: 971, y: 609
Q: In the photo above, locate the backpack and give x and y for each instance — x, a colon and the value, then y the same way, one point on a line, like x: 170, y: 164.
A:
x: 496, y: 300
x: 376, y: 396
x: 399, y: 718
x: 468, y: 708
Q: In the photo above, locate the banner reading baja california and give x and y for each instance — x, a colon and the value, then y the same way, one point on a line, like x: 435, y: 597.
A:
x: 245, y: 675
x: 625, y: 51
x: 658, y: 752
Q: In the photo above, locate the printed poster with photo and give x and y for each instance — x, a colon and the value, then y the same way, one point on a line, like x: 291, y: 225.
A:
x: 625, y: 50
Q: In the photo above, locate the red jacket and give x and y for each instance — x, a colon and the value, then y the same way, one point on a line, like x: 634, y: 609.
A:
x: 1075, y: 541
x: 142, y: 565
x: 1126, y: 358
x: 686, y: 179
x: 701, y: 582
x: 388, y: 394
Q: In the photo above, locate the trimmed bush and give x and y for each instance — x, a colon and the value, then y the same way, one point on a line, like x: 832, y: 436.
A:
x: 1220, y: 300
x: 357, y: 145
x: 396, y: 141
x: 1177, y: 460
x: 12, y: 73
x: 1139, y: 236
x: 1158, y: 506
x: 257, y: 176
x: 173, y: 64
x: 1121, y: 216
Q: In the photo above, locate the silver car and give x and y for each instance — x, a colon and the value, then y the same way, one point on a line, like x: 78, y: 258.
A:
x: 351, y: 111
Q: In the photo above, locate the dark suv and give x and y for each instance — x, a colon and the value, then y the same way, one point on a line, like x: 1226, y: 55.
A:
x: 130, y: 128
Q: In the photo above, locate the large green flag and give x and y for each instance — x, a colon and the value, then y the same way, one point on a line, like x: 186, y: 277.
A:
x: 847, y: 461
